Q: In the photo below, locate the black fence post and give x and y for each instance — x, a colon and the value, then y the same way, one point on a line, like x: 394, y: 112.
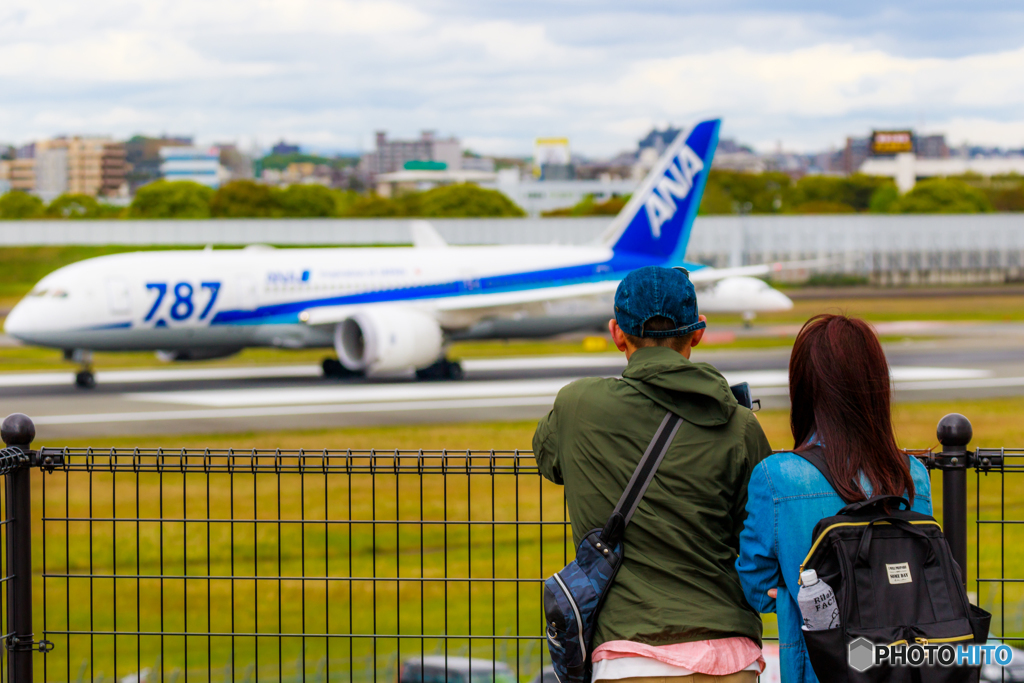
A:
x: 955, y: 432
x: 17, y: 431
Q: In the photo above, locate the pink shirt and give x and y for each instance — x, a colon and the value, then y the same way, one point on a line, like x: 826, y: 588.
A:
x: 719, y: 657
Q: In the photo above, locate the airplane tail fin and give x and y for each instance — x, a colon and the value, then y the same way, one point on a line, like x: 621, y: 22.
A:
x: 657, y: 220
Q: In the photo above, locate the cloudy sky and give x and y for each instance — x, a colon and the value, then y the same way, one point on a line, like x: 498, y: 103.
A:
x: 498, y: 73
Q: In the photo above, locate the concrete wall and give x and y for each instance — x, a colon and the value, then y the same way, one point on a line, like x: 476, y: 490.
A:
x: 988, y: 244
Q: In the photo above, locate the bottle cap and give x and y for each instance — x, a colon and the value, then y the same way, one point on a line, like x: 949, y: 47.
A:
x: 808, y: 577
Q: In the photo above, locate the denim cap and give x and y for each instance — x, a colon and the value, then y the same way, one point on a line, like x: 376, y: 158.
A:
x: 652, y: 291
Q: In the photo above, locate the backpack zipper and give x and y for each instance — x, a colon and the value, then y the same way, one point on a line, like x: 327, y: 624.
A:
x: 576, y: 611
x: 954, y: 639
x: 839, y: 524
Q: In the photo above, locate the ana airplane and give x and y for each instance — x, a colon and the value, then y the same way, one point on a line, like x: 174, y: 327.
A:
x: 382, y: 309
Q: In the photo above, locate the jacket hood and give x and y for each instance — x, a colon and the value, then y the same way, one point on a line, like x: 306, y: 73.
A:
x: 696, y: 392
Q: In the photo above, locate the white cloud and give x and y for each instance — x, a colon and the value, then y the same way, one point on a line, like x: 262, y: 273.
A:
x: 330, y: 72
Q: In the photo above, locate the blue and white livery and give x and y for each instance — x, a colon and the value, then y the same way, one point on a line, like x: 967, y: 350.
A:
x: 383, y: 309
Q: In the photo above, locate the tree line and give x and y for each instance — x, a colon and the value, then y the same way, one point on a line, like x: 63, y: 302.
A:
x: 732, y: 192
x: 727, y: 192
x: 249, y: 199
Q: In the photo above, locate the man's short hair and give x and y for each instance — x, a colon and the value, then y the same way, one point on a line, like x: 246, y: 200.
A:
x: 660, y: 323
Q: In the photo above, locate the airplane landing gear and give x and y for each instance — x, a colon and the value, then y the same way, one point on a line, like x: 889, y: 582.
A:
x: 748, y: 319
x: 84, y: 378
x: 332, y: 367
x: 443, y: 369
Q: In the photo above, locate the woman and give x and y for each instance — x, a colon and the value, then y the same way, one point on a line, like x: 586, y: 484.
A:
x: 840, y: 392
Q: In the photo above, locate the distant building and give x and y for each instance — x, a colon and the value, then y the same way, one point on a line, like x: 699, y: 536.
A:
x: 142, y: 155
x: 92, y: 166
x: 5, y: 175
x: 284, y: 148
x: 391, y: 156
x: 23, y: 174
x: 237, y: 163
x: 856, y: 152
x: 51, y: 172
x: 535, y: 197
x: 198, y: 164
x: 907, y: 169
x: 931, y: 147
x: 419, y: 180
x: 658, y: 140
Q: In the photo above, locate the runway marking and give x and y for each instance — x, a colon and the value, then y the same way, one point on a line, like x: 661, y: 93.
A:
x: 40, y: 379
x: 279, y: 411
x: 386, y: 393
x: 362, y: 393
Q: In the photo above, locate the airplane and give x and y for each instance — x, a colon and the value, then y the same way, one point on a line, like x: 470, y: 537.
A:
x: 389, y: 309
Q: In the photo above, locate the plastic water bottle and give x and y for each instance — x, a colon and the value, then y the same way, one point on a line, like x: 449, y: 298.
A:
x: 817, y: 603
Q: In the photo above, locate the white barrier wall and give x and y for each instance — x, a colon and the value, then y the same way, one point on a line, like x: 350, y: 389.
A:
x: 855, y: 243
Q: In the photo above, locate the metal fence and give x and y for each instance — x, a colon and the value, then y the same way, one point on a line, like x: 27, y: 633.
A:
x: 290, y: 565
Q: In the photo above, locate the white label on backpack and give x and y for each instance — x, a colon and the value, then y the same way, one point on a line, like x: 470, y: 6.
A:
x: 899, y: 573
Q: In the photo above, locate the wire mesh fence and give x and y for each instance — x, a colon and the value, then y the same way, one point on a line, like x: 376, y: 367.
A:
x: 295, y: 565
x: 288, y: 565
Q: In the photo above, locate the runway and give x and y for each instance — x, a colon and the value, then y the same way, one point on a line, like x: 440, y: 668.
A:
x: 186, y: 400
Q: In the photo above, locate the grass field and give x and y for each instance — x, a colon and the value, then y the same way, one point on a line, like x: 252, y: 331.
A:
x: 258, y: 546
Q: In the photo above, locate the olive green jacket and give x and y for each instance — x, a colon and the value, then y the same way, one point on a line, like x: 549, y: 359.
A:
x: 677, y: 582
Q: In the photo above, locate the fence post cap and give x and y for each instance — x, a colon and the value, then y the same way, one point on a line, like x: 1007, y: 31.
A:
x: 17, y: 430
x: 954, y: 432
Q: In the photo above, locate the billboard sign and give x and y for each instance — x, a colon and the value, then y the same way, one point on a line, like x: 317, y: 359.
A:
x: 892, y: 141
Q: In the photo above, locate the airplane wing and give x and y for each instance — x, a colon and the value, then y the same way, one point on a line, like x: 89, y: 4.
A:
x: 710, y: 275
x: 329, y: 315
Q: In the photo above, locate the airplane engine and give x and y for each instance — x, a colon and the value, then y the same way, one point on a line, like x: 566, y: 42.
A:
x: 388, y: 338
x: 742, y: 294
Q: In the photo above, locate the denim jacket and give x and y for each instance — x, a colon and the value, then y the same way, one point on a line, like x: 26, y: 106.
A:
x: 787, y: 496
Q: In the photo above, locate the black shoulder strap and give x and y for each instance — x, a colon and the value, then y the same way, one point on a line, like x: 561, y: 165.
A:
x: 814, y: 456
x: 641, y: 479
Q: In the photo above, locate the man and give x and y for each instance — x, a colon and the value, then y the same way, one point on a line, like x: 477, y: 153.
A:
x: 676, y: 608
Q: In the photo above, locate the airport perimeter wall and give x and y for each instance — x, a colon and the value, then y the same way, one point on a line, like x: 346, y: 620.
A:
x: 889, y: 249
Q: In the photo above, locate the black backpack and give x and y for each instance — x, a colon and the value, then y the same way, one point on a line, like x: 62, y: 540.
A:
x: 896, y: 583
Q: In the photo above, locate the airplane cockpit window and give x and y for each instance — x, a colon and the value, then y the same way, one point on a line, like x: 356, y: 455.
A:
x: 59, y: 294
x: 38, y: 291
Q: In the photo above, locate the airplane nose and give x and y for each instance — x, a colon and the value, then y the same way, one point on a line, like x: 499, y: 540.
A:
x: 781, y: 301
x: 17, y: 322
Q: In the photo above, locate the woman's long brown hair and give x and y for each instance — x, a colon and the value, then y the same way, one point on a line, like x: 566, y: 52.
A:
x: 840, y: 392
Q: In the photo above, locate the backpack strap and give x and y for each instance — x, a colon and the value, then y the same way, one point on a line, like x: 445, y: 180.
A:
x: 641, y: 479
x: 814, y: 455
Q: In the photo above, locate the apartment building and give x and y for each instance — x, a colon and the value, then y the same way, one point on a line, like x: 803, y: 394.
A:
x: 392, y: 155
x: 75, y: 165
x: 196, y: 164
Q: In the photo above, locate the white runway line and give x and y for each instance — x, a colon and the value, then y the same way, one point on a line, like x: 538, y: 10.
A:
x: 363, y: 393
x: 279, y: 411
x: 391, y: 393
x: 42, y: 379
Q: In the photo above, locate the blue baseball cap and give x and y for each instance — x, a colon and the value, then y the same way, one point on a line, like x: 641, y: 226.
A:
x: 654, y: 291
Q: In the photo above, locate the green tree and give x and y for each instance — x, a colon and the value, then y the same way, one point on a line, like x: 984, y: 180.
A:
x: 464, y: 201
x: 943, y: 195
x: 74, y: 206
x: 884, y: 199
x: 307, y: 201
x: 854, y: 191
x: 17, y: 204
x: 171, y: 199
x: 823, y: 206
x: 753, y: 192
x: 588, y: 207
x: 716, y: 200
x: 244, y: 199
x: 374, y: 206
